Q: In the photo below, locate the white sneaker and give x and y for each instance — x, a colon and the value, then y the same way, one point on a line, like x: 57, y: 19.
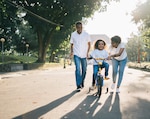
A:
x: 113, y: 86
x: 117, y: 90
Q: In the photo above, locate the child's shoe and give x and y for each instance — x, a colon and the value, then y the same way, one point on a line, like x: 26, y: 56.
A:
x: 106, y: 78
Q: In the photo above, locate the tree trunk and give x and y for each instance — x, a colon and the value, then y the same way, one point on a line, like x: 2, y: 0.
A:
x: 43, y: 44
x: 52, y: 57
x: 40, y: 46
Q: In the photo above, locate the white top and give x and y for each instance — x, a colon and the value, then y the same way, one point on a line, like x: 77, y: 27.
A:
x: 99, y: 54
x: 80, y: 43
x: 114, y: 50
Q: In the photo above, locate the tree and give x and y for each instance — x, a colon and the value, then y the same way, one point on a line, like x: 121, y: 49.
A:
x: 49, y: 19
x: 142, y: 15
x: 60, y: 12
x: 134, y: 48
x: 7, y: 21
x: 26, y: 36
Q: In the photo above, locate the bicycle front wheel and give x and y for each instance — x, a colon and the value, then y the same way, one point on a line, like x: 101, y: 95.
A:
x: 99, y: 85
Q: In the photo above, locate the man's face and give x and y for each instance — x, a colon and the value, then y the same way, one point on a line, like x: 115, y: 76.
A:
x: 79, y: 28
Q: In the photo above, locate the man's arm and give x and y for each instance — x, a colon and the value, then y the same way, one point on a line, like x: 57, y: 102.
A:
x: 71, y: 47
x: 89, y: 46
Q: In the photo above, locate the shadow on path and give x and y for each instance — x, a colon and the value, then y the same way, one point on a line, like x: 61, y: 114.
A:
x: 139, y: 109
x: 35, y: 114
x: 90, y: 108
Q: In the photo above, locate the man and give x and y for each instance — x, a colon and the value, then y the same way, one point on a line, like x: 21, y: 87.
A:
x: 80, y: 46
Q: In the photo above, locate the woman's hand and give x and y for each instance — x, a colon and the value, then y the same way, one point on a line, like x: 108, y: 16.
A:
x: 109, y: 57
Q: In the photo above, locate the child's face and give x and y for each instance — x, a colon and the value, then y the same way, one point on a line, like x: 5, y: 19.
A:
x: 101, y: 45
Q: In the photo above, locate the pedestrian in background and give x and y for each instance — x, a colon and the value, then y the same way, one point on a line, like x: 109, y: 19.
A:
x: 80, y: 46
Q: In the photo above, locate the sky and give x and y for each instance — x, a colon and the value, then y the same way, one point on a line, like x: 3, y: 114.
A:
x: 115, y: 21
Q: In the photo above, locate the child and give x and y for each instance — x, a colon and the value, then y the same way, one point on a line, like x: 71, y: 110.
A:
x: 99, y: 52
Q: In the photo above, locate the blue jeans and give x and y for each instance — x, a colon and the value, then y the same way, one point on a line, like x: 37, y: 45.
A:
x: 96, y: 68
x: 121, y: 65
x: 81, y: 67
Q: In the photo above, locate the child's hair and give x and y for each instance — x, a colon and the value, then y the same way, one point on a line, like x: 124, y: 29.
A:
x: 116, y: 39
x: 96, y: 44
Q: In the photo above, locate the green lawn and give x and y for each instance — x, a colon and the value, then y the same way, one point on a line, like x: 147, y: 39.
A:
x: 17, y: 59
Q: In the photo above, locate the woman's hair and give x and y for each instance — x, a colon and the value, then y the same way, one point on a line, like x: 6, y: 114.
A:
x: 97, y: 42
x: 116, y: 39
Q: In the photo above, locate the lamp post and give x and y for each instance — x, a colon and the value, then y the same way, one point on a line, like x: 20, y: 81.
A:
x: 2, y: 40
x: 27, y: 46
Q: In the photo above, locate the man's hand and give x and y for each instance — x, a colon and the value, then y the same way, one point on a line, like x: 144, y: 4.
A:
x: 71, y: 54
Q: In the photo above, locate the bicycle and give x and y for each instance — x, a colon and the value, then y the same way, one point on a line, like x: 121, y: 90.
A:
x: 99, y: 78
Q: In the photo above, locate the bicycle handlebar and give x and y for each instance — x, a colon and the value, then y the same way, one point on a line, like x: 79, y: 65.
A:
x: 97, y: 58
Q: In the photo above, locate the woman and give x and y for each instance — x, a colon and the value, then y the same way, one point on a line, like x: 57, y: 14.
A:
x: 119, y: 59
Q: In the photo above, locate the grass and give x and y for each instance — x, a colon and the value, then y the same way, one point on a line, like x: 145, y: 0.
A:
x: 29, y: 62
x: 17, y: 59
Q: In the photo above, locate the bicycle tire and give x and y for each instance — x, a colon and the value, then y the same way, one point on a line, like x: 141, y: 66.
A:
x: 99, y: 85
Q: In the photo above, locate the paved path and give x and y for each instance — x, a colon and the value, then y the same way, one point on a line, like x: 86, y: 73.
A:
x: 50, y: 94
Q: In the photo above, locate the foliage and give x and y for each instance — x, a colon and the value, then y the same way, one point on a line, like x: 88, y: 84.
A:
x: 25, y: 36
x: 146, y: 37
x: 51, y: 20
x: 18, y: 59
x: 7, y: 24
x: 134, y: 48
x: 142, y: 15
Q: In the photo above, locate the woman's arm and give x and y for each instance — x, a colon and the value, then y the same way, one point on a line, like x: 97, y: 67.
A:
x: 118, y: 54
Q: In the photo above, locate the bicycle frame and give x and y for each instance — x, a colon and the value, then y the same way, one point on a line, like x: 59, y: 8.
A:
x: 99, y: 77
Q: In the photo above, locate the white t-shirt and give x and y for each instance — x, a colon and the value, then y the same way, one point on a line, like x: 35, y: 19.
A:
x: 114, y: 50
x: 80, y: 43
x: 99, y: 54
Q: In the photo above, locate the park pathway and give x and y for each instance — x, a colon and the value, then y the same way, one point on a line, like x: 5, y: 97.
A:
x: 50, y: 94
